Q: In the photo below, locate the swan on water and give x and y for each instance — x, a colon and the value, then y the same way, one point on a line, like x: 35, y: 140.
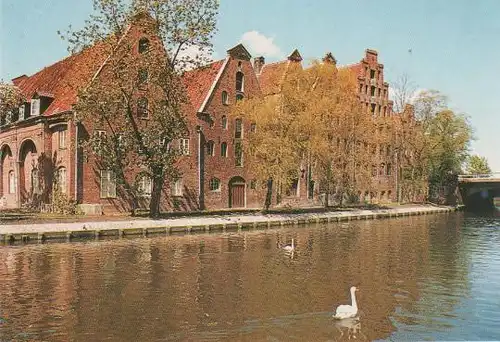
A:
x: 290, y: 248
x: 348, y: 311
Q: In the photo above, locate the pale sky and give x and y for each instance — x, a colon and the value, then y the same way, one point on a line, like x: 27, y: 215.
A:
x: 454, y: 43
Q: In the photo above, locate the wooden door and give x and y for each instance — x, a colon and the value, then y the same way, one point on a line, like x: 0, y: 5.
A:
x: 237, y: 195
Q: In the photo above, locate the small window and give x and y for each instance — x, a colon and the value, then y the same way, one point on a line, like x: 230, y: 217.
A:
x: 35, y: 107
x: 35, y: 181
x: 238, y: 154
x: 62, y: 180
x: 12, y: 182
x: 142, y: 108
x: 373, y: 106
x: 145, y: 186
x: 210, y: 148
x: 382, y: 169
x: 177, y: 189
x: 373, y: 91
x: 240, y: 81
x: 253, y: 127
x: 253, y: 184
x: 143, y: 45
x: 224, y: 122
x: 239, y: 97
x: 143, y: 77
x: 372, y: 74
x: 108, y: 184
x: 225, y: 98
x: 184, y: 146
x: 62, y: 138
x: 223, y: 150
x: 238, y: 129
x: 389, y: 169
x: 214, y: 184
x: 361, y: 88
x: 374, y: 170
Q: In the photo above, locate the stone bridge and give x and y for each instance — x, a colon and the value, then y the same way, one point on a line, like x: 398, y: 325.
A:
x: 479, y: 191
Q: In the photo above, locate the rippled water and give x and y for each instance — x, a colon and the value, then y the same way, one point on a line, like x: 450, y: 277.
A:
x: 420, y: 278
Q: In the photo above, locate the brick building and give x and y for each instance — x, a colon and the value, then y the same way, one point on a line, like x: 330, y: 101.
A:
x: 44, y: 135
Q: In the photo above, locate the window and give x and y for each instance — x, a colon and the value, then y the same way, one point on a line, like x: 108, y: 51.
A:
x: 184, y: 146
x: 225, y: 98
x: 143, y: 45
x: 35, y: 107
x: 210, y: 148
x: 12, y: 182
x: 253, y: 184
x: 61, y: 180
x: 143, y: 77
x: 177, y: 189
x: 253, y: 127
x: 62, y: 138
x: 145, y: 186
x: 240, y: 81
x: 239, y: 97
x: 374, y: 170
x: 223, y: 150
x: 142, y: 107
x: 389, y: 169
x: 382, y: 169
x: 238, y: 154
x: 373, y: 108
x: 238, y: 129
x: 361, y: 88
x: 372, y: 74
x: 108, y: 184
x: 214, y: 184
x: 372, y: 93
x: 224, y: 122
x: 35, y: 181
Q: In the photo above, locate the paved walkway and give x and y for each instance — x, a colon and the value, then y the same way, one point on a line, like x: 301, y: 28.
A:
x: 44, y: 231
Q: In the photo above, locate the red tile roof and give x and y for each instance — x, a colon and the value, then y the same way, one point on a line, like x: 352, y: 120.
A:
x: 198, y: 82
x: 270, y: 77
x: 62, y: 80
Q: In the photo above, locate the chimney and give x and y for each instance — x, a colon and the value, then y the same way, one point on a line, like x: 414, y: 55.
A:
x: 258, y: 63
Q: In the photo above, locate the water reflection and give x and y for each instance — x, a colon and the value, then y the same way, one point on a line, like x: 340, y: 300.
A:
x: 412, y: 272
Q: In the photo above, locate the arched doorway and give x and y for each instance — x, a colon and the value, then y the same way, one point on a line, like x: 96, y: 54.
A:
x: 237, y: 192
x: 7, y: 178
x: 28, y: 161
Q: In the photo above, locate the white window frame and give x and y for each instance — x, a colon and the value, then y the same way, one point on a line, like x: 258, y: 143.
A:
x: 107, y: 190
x: 62, y: 136
x: 184, y: 146
x: 35, y: 107
x: 211, y: 182
x: 224, y: 122
x: 221, y: 150
x: 12, y: 182
x: 225, y: 97
x: 145, y: 186
x: 62, y: 175
x: 178, y: 188
x: 210, y: 148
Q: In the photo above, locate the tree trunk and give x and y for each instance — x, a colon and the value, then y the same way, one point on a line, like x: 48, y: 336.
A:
x: 269, y: 194
x: 154, y: 204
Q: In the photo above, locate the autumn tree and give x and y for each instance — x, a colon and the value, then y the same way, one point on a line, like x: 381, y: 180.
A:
x: 11, y: 99
x: 343, y: 138
x: 273, y: 152
x: 138, y: 97
x: 477, y: 165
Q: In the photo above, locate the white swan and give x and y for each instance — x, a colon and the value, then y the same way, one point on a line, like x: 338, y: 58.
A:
x: 290, y: 248
x: 348, y: 311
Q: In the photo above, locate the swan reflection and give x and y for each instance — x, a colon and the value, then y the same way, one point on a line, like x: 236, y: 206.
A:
x: 349, y: 328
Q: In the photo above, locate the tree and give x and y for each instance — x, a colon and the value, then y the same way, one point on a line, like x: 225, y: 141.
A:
x: 342, y: 141
x: 273, y: 151
x: 138, y: 97
x: 477, y: 165
x: 11, y: 99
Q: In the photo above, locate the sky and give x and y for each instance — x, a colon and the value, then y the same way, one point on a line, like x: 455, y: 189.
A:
x: 448, y: 45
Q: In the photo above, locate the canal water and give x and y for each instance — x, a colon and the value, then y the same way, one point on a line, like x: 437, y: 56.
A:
x: 420, y: 278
